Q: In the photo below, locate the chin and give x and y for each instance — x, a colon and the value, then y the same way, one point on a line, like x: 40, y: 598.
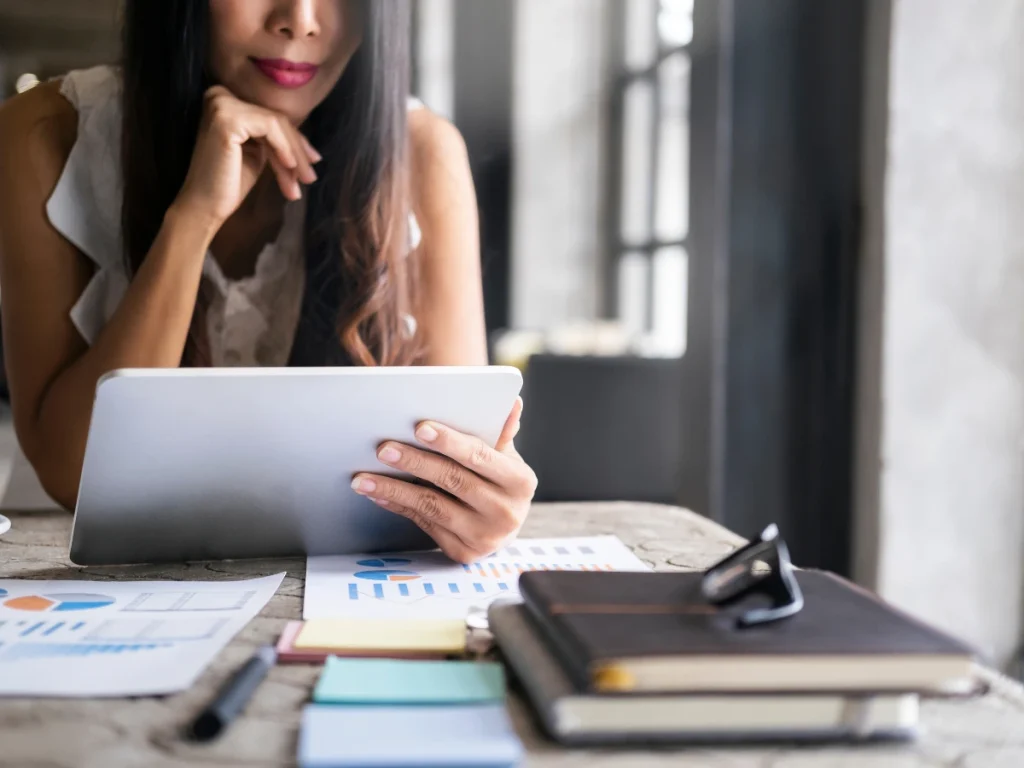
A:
x: 296, y: 114
x: 293, y: 104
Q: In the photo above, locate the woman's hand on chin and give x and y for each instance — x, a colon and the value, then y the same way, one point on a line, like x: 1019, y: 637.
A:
x: 236, y: 142
x: 478, y: 496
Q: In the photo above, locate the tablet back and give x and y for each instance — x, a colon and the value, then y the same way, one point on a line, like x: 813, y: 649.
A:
x: 240, y: 463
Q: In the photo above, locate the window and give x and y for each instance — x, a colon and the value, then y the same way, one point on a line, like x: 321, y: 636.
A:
x: 650, y: 137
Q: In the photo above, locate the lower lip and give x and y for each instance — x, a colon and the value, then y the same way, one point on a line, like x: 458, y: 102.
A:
x: 286, y: 78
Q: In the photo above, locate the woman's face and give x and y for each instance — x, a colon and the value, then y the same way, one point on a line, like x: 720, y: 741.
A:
x: 286, y: 55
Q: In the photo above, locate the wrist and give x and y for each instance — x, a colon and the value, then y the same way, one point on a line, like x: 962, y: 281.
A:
x: 197, y: 220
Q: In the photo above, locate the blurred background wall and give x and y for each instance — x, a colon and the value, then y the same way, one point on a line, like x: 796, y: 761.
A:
x: 941, y: 408
x: 48, y: 37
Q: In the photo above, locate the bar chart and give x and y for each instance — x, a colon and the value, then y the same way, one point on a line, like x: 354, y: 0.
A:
x: 26, y: 651
x: 33, y: 628
x: 429, y: 584
x: 505, y: 569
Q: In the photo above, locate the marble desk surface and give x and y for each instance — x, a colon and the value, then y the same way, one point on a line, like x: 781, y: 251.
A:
x: 984, y: 732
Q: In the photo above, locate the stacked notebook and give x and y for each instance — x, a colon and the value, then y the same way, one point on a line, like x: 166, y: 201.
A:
x: 641, y: 657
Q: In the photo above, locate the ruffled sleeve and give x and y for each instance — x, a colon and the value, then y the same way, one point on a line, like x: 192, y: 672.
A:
x: 85, y: 206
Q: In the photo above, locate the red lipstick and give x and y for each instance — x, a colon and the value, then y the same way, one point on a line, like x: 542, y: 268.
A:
x: 287, y: 74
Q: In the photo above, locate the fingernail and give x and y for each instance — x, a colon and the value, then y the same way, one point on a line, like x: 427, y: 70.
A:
x: 426, y: 433
x: 312, y: 151
x: 381, y: 502
x: 389, y: 455
x: 363, y: 485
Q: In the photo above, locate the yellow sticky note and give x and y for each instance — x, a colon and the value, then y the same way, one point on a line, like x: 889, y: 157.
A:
x: 408, y: 635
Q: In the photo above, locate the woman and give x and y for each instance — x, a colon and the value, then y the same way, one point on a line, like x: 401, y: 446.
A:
x: 251, y: 187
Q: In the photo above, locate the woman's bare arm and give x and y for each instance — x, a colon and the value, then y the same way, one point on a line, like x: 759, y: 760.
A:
x: 451, y: 306
x: 52, y: 372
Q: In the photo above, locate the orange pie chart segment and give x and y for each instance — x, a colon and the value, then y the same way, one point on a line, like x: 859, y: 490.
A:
x: 30, y: 603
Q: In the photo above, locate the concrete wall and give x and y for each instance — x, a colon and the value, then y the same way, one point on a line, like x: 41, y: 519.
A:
x: 942, y: 432
x: 561, y: 87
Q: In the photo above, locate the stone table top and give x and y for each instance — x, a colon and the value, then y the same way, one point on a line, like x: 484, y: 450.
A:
x: 986, y: 731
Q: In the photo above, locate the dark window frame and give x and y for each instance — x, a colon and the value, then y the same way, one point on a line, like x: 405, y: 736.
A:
x: 616, y: 246
x: 776, y: 145
x: 773, y: 255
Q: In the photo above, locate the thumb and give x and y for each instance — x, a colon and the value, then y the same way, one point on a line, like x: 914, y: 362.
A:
x: 511, y: 428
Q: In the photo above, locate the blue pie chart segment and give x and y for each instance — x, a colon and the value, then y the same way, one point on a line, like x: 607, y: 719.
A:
x: 383, y: 562
x: 78, y: 602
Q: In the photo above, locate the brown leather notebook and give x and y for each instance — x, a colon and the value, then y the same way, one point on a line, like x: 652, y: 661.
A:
x: 653, y: 632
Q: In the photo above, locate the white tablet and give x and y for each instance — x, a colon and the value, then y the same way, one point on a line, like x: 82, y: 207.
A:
x: 202, y: 464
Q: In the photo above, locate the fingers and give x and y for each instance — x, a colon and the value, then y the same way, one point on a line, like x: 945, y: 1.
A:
x: 286, y: 179
x: 284, y: 158
x: 450, y: 544
x: 433, y: 511
x: 300, y: 148
x: 311, y: 153
x: 444, y: 473
x: 499, y: 468
x: 430, y: 509
x: 477, y: 498
x: 511, y: 428
x: 291, y: 156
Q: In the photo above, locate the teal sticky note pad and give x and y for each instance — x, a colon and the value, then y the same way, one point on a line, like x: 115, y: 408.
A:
x: 393, y: 681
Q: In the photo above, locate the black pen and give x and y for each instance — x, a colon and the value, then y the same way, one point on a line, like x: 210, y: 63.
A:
x: 233, y: 696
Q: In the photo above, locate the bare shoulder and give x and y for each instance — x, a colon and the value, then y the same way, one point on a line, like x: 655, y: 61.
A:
x: 439, y: 165
x: 37, y: 131
x: 434, y: 139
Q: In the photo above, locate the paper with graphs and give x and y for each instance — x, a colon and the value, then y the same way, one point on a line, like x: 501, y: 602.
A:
x: 109, y: 638
x: 429, y: 585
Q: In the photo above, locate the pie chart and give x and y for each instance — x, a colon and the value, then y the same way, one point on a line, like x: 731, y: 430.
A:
x: 383, y: 562
x: 389, y: 575
x: 66, y: 601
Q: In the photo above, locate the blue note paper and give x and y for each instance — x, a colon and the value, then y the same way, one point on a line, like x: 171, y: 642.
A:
x: 400, y: 737
x: 391, y: 681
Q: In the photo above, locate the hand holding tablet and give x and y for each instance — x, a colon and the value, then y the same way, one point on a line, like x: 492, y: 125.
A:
x: 478, y: 495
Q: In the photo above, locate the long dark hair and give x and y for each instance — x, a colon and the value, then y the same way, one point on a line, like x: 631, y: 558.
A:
x: 356, y: 225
